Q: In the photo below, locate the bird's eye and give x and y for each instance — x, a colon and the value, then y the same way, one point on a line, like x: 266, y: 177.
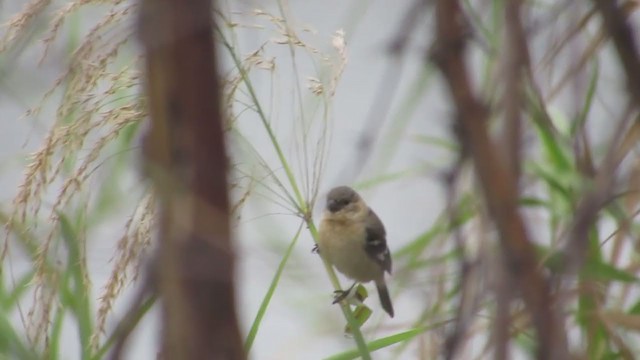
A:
x: 344, y: 202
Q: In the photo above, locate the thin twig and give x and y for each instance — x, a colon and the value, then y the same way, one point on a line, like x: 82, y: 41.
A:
x: 385, y: 93
x: 517, y: 63
x: 462, y: 319
x: 624, y: 138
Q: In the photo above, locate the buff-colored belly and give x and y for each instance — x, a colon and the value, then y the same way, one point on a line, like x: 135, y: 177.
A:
x: 343, y: 246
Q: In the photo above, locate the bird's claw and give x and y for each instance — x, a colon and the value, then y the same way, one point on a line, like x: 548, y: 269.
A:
x: 315, y: 249
x: 339, y: 295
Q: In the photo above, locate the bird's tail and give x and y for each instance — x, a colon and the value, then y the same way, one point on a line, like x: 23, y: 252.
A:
x: 385, y: 299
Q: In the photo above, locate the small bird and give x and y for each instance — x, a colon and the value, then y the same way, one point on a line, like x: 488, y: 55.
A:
x: 353, y: 239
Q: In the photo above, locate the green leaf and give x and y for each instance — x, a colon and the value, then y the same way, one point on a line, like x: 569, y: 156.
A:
x: 635, y: 309
x: 79, y: 301
x: 586, y: 108
x: 10, y: 342
x: 382, y: 343
x: 131, y: 322
x: 416, y: 247
x: 56, y: 333
x: 556, y: 156
x: 530, y: 201
x: 362, y: 313
x: 20, y: 288
x: 554, y: 181
x: 437, y: 142
x: 595, y: 269
x: 603, y: 271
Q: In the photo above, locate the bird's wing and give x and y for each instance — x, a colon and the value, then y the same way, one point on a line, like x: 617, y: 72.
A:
x: 376, y: 241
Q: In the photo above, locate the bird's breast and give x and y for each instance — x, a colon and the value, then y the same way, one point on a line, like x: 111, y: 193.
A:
x: 342, y: 244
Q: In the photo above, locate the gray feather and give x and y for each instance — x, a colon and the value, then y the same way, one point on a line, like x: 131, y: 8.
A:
x: 376, y: 241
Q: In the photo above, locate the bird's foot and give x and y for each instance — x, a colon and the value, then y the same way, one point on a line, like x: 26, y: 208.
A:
x: 315, y: 249
x: 350, y: 293
x: 340, y: 295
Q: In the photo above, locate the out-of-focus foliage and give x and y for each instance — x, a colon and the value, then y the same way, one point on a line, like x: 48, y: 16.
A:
x: 575, y: 111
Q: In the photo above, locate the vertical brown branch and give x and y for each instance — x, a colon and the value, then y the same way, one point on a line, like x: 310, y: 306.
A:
x: 187, y: 161
x: 502, y: 323
x: 467, y: 301
x: 498, y: 184
x: 615, y: 21
x: 625, y: 133
x: 625, y: 136
x: 516, y: 67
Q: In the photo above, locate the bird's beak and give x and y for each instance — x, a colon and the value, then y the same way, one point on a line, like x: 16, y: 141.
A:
x: 333, y: 205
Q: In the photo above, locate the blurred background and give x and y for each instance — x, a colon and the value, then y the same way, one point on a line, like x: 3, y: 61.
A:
x: 350, y: 94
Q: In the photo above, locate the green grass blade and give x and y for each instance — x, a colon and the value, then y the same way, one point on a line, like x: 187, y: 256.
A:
x: 132, y: 321
x: 381, y: 343
x: 300, y: 203
x: 11, y: 344
x: 22, y: 285
x: 265, y: 122
x: 272, y: 288
x: 554, y: 152
x: 591, y: 91
x: 76, y: 267
x: 402, y: 117
x: 56, y: 334
x: 599, y: 270
x: 391, y: 177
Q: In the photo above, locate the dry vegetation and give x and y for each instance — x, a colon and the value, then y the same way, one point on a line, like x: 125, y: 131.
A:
x: 540, y: 225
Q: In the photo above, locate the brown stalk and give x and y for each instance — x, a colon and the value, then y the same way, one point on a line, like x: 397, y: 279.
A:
x: 625, y: 136
x: 187, y: 161
x: 517, y: 64
x: 615, y: 21
x: 497, y: 182
x: 516, y: 69
x: 468, y: 298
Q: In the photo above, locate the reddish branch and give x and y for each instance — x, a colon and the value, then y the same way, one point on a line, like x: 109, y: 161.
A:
x: 625, y: 135
x: 614, y: 17
x: 517, y: 65
x: 498, y: 183
x: 187, y: 161
x: 516, y: 69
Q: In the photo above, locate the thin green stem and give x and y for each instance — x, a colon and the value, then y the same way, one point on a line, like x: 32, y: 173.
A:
x: 346, y: 311
x: 263, y: 118
x: 272, y: 288
x: 301, y: 203
x: 131, y: 323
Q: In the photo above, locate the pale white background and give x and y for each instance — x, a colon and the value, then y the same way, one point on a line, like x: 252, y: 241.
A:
x: 300, y: 322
